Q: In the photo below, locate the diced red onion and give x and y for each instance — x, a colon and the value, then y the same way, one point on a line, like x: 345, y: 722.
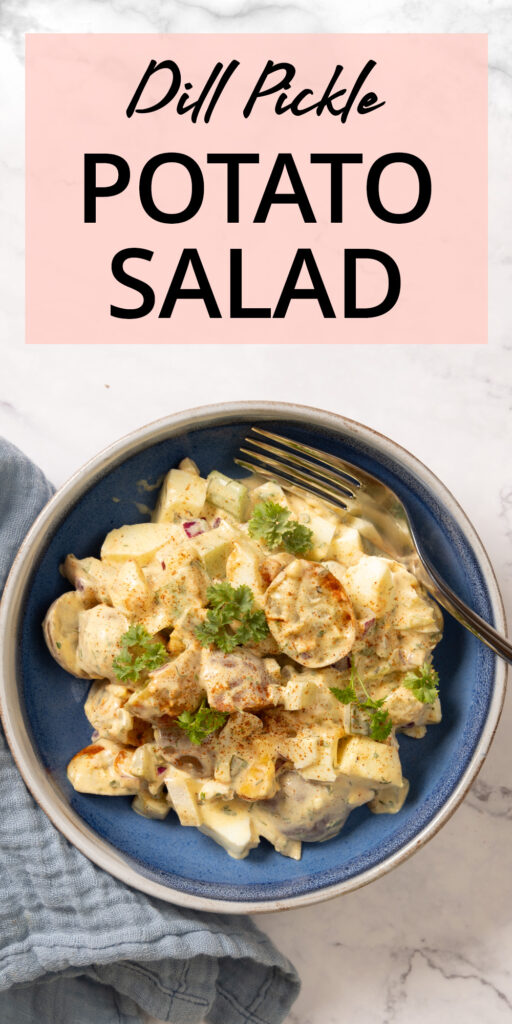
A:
x: 194, y: 527
x: 95, y: 735
x: 216, y: 522
x: 367, y: 625
x: 161, y: 769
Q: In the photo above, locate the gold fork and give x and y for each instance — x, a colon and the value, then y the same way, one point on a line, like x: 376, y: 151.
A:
x: 307, y: 471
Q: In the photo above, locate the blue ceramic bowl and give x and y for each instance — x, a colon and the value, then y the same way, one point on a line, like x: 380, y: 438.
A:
x: 43, y: 708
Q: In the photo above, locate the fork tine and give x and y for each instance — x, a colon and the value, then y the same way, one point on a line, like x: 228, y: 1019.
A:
x: 302, y: 478
x: 341, y: 465
x: 337, y: 505
x: 341, y: 482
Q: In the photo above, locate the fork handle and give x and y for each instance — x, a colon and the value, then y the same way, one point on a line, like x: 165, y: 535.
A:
x: 446, y: 597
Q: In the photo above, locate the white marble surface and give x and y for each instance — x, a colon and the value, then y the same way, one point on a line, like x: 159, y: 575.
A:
x: 433, y: 940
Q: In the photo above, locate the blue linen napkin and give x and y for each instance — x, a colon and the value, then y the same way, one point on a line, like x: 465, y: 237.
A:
x: 79, y: 947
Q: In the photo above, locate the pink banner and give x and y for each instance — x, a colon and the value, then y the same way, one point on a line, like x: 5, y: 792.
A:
x: 257, y: 189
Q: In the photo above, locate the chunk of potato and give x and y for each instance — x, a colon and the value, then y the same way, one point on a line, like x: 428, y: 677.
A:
x: 145, y: 764
x: 230, y: 825
x: 129, y: 591
x: 237, y: 731
x: 238, y: 681
x: 183, y: 494
x: 363, y: 758
x: 323, y: 769
x: 367, y: 530
x: 171, y: 689
x: 60, y: 628
x: 242, y: 568
x: 347, y: 546
x: 269, y: 491
x: 99, y: 634
x: 323, y: 530
x: 107, y: 714
x: 176, y: 552
x: 138, y: 543
x: 413, y: 609
x: 267, y: 826
x: 182, y: 589
x: 97, y: 769
x: 317, y: 518
x: 183, y: 795
x: 90, y: 577
x: 405, y: 708
x: 369, y: 584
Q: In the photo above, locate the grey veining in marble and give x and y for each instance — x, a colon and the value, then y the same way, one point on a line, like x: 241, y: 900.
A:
x: 431, y: 942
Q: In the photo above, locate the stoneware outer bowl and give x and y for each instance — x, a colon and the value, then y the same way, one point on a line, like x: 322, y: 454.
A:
x: 42, y: 707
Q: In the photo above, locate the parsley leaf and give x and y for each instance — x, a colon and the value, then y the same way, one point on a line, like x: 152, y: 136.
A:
x: 345, y: 696
x: 199, y: 724
x: 234, y: 603
x: 380, y: 720
x: 298, y: 539
x: 228, y: 607
x: 214, y: 632
x: 271, y: 523
x: 253, y: 628
x: 139, y: 653
x: 423, y: 683
x: 381, y: 725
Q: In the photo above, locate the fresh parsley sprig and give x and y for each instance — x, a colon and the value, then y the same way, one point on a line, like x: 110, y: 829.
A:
x: 347, y: 695
x: 271, y: 523
x: 298, y: 539
x: 380, y: 720
x: 231, y: 619
x: 423, y: 683
x: 139, y: 654
x: 199, y: 724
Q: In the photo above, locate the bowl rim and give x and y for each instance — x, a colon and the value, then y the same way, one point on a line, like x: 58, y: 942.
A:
x: 68, y: 821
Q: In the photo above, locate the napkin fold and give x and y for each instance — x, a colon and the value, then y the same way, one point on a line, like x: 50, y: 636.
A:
x: 79, y: 947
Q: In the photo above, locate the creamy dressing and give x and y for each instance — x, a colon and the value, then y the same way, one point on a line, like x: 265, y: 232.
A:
x: 145, y: 485
x: 314, y: 811
x: 143, y: 509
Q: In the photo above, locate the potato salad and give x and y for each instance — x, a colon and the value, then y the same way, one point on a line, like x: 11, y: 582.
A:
x: 253, y: 659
